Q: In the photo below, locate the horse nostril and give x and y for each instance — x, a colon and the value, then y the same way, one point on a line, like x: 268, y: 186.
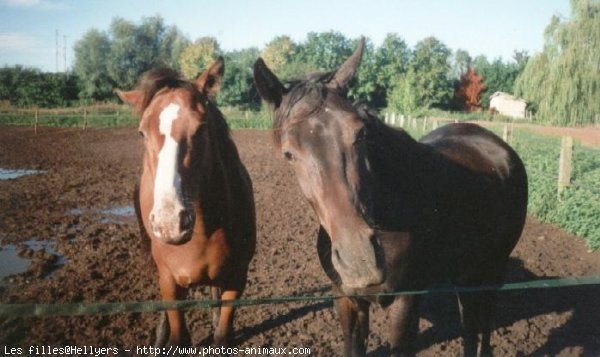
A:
x: 339, y: 259
x: 185, y: 220
x: 152, y: 219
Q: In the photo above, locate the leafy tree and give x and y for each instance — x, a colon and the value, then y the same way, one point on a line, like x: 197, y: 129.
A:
x: 26, y: 87
x: 238, y: 84
x: 279, y: 52
x: 198, y: 56
x: 365, y: 82
x: 325, y: 51
x: 428, y: 74
x: 133, y: 50
x: 461, y: 62
x: 467, y: 95
x: 92, y: 55
x: 406, y: 94
x: 391, y: 59
x: 563, y: 81
x: 172, y: 46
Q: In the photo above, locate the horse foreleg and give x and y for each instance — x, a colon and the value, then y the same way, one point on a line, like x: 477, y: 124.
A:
x: 178, y: 332
x: 224, y: 328
x: 162, y: 331
x: 354, y: 318
x: 215, y: 293
x: 404, y: 319
x: 476, y: 311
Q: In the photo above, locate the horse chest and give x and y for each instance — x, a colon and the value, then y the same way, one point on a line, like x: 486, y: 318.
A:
x: 202, y: 260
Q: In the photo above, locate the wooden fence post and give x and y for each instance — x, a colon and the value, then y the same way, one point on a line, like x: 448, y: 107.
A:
x: 424, y: 124
x: 36, y: 122
x: 402, y: 120
x: 386, y: 118
x: 393, y: 119
x: 84, y: 118
x: 505, y: 133
x: 434, y: 125
x: 565, y: 164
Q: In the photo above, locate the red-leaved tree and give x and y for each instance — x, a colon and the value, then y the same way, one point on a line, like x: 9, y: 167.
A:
x: 467, y: 95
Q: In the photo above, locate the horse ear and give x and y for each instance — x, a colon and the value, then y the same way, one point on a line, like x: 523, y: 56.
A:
x: 209, y: 82
x: 268, y: 85
x: 131, y: 97
x: 345, y: 73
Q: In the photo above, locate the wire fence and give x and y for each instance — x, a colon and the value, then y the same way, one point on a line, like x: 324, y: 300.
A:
x: 110, y: 308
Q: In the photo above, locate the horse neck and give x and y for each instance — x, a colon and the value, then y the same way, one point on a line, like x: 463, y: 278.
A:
x: 215, y: 174
x: 399, y: 172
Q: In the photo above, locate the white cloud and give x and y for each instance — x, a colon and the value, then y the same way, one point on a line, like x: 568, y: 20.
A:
x: 15, y: 41
x: 36, y: 4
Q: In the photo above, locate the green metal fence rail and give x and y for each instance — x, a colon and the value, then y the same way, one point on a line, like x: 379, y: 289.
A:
x: 78, y: 309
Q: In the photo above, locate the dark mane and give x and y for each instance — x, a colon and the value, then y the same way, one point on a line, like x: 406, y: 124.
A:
x: 154, y: 80
x: 312, y: 89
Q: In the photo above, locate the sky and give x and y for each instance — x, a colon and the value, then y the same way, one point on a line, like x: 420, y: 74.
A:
x: 492, y: 28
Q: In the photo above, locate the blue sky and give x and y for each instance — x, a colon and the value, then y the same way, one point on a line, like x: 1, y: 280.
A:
x: 493, y: 28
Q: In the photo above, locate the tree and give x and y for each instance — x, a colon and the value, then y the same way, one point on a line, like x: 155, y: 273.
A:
x: 428, y: 74
x: 26, y: 87
x: 461, y: 63
x: 197, y: 56
x: 238, y: 84
x: 92, y: 55
x: 325, y: 51
x: 391, y: 59
x: 172, y: 46
x: 406, y: 96
x: 135, y: 49
x: 278, y: 52
x: 563, y: 82
x: 365, y: 82
x: 467, y: 95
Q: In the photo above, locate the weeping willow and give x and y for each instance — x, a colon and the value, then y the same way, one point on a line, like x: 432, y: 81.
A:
x: 563, y: 82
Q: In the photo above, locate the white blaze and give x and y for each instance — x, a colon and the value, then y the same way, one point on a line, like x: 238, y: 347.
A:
x: 167, y: 183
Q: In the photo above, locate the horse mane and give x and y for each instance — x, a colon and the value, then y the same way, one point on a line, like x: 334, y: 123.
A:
x: 154, y: 80
x: 313, y: 88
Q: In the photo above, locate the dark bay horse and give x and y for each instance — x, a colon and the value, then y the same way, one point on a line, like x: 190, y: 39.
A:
x: 195, y: 199
x: 395, y: 213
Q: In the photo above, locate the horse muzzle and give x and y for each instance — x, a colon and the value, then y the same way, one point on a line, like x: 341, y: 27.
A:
x: 358, y: 262
x: 172, y: 227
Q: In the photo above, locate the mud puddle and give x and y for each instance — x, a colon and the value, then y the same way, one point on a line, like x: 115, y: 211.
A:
x: 38, y: 257
x: 10, y: 174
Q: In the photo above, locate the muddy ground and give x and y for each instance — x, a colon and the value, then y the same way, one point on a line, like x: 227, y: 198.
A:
x: 102, y: 259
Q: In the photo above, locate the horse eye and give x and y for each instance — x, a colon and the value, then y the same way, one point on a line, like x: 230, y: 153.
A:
x: 289, y: 156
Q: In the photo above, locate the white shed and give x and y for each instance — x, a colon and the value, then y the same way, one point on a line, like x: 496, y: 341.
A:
x: 508, y: 105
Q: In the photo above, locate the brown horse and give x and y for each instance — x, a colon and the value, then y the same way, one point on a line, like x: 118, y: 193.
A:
x: 395, y: 213
x: 195, y: 200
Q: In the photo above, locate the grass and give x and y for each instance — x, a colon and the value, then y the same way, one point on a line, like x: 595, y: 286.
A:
x: 116, y: 116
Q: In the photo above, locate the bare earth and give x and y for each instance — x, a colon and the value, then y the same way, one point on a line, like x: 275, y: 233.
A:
x: 92, y: 170
x: 589, y: 136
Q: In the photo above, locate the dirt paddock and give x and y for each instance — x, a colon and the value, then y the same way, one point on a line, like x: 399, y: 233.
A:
x: 80, y: 208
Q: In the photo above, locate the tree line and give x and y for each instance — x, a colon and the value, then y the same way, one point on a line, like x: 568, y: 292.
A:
x: 561, y: 83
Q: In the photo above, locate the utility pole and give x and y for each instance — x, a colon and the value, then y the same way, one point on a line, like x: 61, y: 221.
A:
x: 57, y: 57
x: 65, y: 51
